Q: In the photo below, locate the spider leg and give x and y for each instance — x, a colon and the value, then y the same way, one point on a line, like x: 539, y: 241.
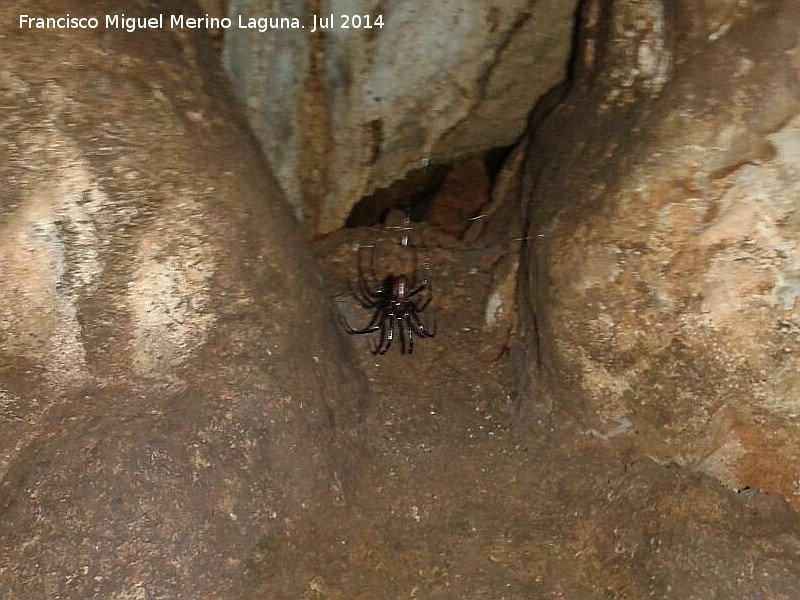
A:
x: 409, y: 331
x: 370, y: 291
x: 363, y: 299
x: 421, y: 326
x: 367, y: 294
x: 376, y: 347
x: 424, y: 283
x: 424, y: 304
x: 401, y: 330
x: 371, y: 328
x: 418, y: 289
x: 387, y: 341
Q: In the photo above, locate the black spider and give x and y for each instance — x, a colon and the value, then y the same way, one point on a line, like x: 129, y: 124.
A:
x: 395, y: 309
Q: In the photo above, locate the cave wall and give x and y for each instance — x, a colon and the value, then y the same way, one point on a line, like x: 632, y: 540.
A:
x: 347, y: 112
x: 167, y: 396
x: 662, y: 269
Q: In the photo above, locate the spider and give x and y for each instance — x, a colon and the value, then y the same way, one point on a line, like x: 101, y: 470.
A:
x: 395, y: 309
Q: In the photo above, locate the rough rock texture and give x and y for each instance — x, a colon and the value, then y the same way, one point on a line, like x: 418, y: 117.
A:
x: 662, y: 271
x: 170, y: 372
x: 462, y: 194
x: 214, y: 8
x: 454, y: 502
x: 346, y: 112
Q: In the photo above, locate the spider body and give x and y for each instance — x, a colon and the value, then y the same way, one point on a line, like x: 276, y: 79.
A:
x: 397, y: 309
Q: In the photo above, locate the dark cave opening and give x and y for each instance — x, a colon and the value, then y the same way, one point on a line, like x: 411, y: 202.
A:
x: 429, y: 193
x: 412, y: 194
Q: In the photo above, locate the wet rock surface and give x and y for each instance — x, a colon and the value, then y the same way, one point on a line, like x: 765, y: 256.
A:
x: 659, y: 285
x: 171, y: 381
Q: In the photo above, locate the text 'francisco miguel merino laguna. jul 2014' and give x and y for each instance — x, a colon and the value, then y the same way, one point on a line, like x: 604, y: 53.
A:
x: 161, y: 21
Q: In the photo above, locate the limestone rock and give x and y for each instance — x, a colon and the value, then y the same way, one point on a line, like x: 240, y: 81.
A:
x: 170, y: 371
x: 663, y: 266
x: 352, y: 110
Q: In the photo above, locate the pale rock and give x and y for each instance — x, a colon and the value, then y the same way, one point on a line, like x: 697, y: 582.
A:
x: 343, y: 114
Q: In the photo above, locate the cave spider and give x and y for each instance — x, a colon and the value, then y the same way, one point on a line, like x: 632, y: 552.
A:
x: 396, y: 305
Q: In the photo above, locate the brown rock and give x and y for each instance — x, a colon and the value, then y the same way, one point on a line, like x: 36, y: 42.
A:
x: 661, y: 273
x: 170, y: 368
x: 464, y: 192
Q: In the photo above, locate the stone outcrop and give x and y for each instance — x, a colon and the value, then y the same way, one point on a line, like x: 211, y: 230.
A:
x: 343, y: 113
x: 171, y: 375
x: 662, y: 270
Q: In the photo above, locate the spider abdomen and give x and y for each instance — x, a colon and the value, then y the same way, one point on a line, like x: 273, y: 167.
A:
x: 401, y: 289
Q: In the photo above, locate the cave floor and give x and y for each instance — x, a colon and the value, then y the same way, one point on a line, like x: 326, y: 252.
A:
x: 454, y: 499
x: 446, y: 495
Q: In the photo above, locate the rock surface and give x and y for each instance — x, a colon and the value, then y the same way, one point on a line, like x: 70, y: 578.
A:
x: 350, y: 111
x: 462, y: 194
x: 171, y: 376
x: 662, y: 273
x: 455, y: 501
